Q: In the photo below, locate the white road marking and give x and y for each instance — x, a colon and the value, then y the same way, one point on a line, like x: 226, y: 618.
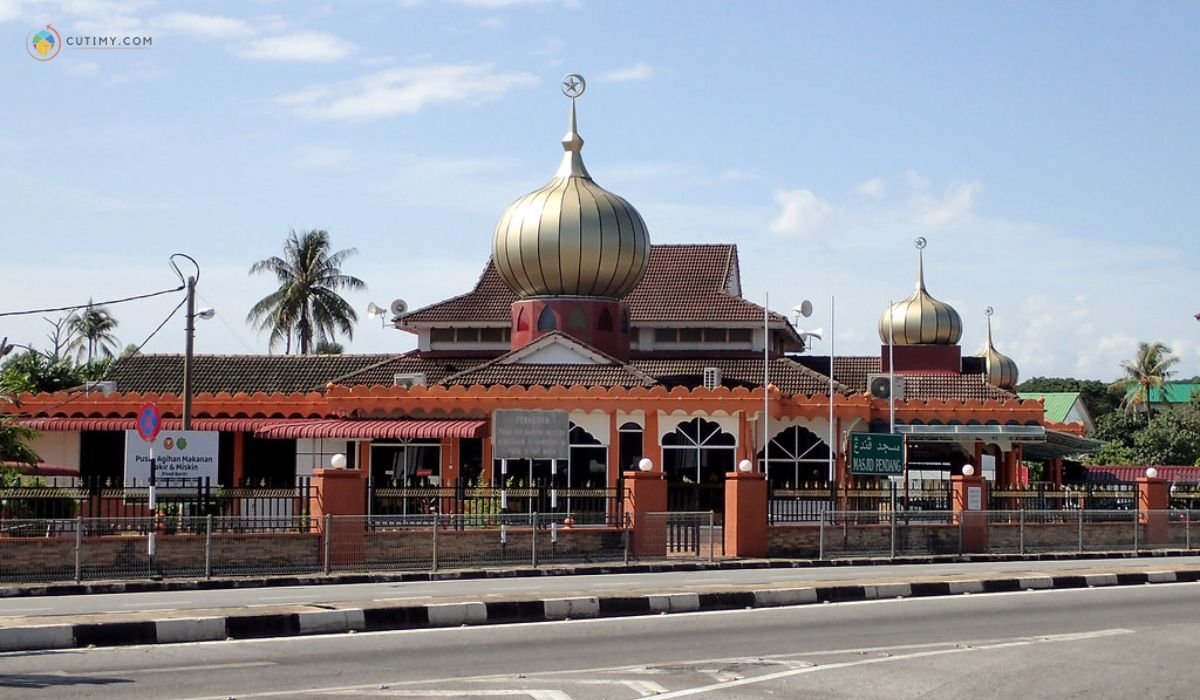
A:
x: 701, y: 690
x: 385, y: 692
x: 173, y: 669
x: 155, y: 604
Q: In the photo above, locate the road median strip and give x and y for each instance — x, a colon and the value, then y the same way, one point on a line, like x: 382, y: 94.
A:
x: 340, y: 620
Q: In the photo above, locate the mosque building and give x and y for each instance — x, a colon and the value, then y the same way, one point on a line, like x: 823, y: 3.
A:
x: 651, y: 350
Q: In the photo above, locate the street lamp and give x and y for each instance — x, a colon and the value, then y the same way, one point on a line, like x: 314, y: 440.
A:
x: 190, y: 332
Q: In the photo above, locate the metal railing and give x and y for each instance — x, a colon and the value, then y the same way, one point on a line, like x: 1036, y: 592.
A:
x: 483, y: 505
x: 1049, y: 496
x: 680, y: 534
x: 806, y: 503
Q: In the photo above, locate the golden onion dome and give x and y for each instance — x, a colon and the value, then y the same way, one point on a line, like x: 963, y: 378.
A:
x: 571, y: 237
x: 920, y: 319
x: 1000, y: 368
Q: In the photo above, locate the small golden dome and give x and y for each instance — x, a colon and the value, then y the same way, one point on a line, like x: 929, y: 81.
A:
x: 1000, y: 368
x: 920, y: 319
x: 571, y: 237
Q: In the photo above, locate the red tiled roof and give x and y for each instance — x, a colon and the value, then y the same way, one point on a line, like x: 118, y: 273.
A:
x: 685, y: 282
x: 791, y: 377
x: 234, y: 373
x: 536, y: 374
x: 373, y: 429
x: 853, y: 372
x: 435, y: 370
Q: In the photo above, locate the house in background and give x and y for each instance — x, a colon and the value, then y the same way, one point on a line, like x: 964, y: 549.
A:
x: 1065, y: 407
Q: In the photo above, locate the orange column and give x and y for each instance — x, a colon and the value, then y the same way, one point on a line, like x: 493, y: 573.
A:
x: 650, y: 446
x: 1153, y: 504
x: 646, y: 493
x: 449, y: 459
x: 970, y: 510
x: 341, y: 493
x: 745, y: 448
x: 613, y: 470
x: 485, y: 473
x: 239, y: 458
x: 746, y: 514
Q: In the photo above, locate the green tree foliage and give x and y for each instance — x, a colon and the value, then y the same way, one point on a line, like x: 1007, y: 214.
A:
x: 1171, y: 437
x: 14, y: 442
x: 307, y: 303
x: 328, y: 347
x: 1100, y: 398
x: 1150, y: 369
x: 32, y: 372
x: 91, y: 330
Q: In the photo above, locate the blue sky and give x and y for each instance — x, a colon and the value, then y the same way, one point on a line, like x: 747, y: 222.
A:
x: 1045, y: 150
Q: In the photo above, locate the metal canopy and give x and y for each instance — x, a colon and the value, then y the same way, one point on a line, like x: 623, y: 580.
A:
x: 1038, y: 443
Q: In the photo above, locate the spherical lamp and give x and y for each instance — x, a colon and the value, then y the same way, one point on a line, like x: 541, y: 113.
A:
x: 338, y: 461
x: 745, y: 466
x: 645, y: 464
x: 968, y: 470
x: 1151, y: 473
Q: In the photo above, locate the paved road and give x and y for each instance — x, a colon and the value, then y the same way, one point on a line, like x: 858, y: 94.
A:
x: 1095, y: 643
x: 552, y: 585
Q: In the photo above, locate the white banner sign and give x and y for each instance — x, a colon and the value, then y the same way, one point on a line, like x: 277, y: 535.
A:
x: 179, y: 454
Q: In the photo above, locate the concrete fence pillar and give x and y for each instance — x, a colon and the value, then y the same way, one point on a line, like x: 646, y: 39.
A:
x: 746, y: 514
x: 1153, y: 504
x: 646, y: 492
x: 340, y: 493
x: 970, y: 503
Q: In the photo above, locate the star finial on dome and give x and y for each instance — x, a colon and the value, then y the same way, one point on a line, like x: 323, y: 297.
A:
x: 573, y: 86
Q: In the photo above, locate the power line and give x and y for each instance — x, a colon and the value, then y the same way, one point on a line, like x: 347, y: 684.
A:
x: 137, y: 297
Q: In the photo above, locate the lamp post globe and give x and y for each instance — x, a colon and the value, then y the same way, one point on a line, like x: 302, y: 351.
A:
x: 645, y: 464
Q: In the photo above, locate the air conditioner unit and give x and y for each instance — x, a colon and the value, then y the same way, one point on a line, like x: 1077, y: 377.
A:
x: 408, y: 379
x: 712, y: 377
x: 106, y: 387
x: 881, y: 386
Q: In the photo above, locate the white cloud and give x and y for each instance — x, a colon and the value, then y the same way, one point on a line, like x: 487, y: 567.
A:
x: 397, y: 91
x: 638, y: 71
x: 318, y: 157
x: 309, y: 47
x: 953, y: 208
x: 203, y: 26
x: 804, y: 214
x: 738, y: 175
x: 871, y: 188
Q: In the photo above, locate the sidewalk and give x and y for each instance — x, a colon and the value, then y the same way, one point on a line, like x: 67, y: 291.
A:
x: 25, y: 633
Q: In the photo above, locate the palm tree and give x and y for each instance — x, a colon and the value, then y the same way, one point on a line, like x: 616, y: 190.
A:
x: 91, y: 330
x: 307, y: 302
x: 1149, y: 370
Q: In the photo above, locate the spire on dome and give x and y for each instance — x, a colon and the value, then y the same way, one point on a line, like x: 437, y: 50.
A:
x: 572, y: 162
x: 920, y: 319
x: 920, y: 244
x: 1001, y: 370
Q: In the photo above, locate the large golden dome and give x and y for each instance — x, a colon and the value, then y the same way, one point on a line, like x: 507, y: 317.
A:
x: 1000, y: 368
x: 571, y: 237
x: 920, y: 319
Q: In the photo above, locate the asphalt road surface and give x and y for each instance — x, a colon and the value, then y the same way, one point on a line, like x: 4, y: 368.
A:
x: 611, y: 584
x: 1126, y: 642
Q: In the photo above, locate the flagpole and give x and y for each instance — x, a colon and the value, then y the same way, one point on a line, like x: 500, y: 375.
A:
x: 832, y: 426
x: 766, y: 378
x: 891, y: 370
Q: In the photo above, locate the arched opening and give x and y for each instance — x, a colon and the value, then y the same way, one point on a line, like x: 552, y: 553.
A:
x: 577, y: 320
x: 795, y: 457
x: 605, y: 323
x: 547, y: 321
x: 522, y: 320
x: 696, y: 457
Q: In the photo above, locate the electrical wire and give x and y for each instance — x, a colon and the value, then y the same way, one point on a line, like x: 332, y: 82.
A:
x: 137, y: 297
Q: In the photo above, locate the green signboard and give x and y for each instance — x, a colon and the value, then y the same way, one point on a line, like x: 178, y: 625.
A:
x: 876, y: 454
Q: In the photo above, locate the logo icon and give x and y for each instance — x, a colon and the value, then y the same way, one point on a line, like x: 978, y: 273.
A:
x: 181, y: 443
x: 169, y: 444
x: 44, y: 44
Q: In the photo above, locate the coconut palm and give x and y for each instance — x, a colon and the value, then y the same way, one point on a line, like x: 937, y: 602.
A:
x: 91, y: 330
x: 1149, y: 370
x: 307, y: 302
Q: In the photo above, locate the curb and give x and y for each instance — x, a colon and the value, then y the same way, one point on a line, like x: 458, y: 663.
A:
x: 443, y: 615
x: 315, y: 579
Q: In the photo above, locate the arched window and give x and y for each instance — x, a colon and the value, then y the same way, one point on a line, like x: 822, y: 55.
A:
x: 577, y: 320
x: 797, y: 456
x: 546, y: 321
x: 585, y: 467
x: 606, y: 322
x: 522, y: 320
x: 625, y: 322
x: 699, y: 454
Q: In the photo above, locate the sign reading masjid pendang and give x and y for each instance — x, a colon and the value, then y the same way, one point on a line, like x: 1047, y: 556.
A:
x: 530, y: 434
x: 873, y: 454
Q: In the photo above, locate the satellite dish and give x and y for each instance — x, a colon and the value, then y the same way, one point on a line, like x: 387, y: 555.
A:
x: 804, y: 309
x: 374, y: 310
x: 399, y: 306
